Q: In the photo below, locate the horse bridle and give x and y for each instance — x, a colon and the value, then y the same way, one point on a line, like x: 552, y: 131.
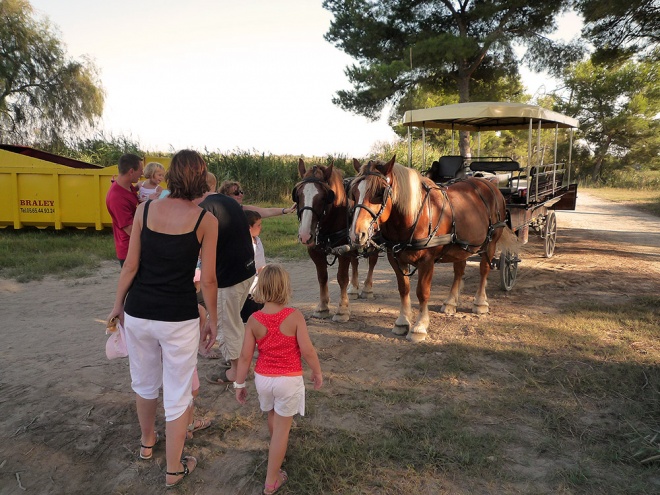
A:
x: 330, y: 197
x: 375, y: 217
x: 312, y: 180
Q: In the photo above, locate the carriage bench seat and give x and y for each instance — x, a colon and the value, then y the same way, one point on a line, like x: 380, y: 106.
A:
x: 545, y: 183
x: 448, y: 168
x: 495, y: 166
x: 507, y: 183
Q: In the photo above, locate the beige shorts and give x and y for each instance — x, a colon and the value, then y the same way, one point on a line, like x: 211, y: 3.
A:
x: 285, y: 394
x: 231, y: 329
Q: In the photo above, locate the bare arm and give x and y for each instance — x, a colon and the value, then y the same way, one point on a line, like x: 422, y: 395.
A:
x: 208, y: 280
x: 130, y: 267
x: 307, y: 349
x: 245, y: 359
x: 270, y: 212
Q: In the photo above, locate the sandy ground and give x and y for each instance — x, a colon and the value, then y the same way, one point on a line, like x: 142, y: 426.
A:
x: 67, y: 417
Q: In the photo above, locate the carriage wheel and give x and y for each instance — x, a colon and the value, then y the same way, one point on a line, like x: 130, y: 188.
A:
x: 508, y: 269
x: 550, y: 234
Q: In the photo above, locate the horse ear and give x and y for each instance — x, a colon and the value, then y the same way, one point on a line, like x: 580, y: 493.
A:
x: 301, y: 167
x: 330, y: 197
x: 389, y: 165
x: 327, y: 173
x: 356, y: 165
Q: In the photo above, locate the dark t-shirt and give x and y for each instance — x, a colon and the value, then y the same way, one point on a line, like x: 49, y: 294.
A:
x: 235, y: 255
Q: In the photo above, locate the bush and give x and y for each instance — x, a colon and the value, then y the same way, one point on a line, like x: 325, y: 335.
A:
x: 626, y: 178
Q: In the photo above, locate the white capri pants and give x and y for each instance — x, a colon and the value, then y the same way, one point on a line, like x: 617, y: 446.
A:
x: 163, y: 353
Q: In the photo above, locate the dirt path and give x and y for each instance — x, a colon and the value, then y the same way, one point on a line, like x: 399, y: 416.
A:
x: 67, y: 417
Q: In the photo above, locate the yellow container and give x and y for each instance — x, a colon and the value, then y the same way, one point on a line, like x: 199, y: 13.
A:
x: 42, y: 190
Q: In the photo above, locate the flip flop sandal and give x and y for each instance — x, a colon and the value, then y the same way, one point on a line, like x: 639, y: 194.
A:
x: 270, y: 489
x: 219, y: 378
x: 212, y: 354
x: 203, y: 423
x: 186, y: 471
x: 147, y: 457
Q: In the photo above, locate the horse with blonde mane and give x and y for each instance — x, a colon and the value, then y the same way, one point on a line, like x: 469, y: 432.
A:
x: 323, y: 207
x: 420, y: 224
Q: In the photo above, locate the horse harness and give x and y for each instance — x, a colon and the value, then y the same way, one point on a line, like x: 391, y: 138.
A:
x: 431, y: 240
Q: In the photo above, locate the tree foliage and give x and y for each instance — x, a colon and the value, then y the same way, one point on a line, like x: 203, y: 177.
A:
x: 621, y: 28
x: 44, y: 95
x: 455, y: 46
x: 617, y: 105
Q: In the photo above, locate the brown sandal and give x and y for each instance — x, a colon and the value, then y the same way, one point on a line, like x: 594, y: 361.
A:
x: 196, y: 425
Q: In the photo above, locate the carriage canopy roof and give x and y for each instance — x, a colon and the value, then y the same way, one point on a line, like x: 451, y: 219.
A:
x: 487, y: 116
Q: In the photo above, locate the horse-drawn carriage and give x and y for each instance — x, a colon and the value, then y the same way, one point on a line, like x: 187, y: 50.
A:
x: 485, y: 203
x: 533, y: 190
x: 473, y: 206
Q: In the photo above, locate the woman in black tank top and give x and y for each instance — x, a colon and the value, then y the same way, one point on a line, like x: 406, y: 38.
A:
x: 156, y: 303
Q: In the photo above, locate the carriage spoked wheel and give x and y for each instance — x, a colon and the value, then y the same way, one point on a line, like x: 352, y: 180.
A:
x: 508, y: 269
x: 550, y: 234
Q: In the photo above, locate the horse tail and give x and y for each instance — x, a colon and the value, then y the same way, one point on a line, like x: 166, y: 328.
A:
x: 509, y: 241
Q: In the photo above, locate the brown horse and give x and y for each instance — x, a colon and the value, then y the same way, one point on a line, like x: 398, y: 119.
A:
x: 322, y: 206
x: 420, y: 224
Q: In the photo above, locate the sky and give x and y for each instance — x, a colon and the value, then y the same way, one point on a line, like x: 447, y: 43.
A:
x: 221, y: 75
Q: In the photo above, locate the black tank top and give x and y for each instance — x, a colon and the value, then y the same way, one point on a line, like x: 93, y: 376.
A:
x: 163, y: 287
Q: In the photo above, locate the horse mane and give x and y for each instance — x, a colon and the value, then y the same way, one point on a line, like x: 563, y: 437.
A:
x: 336, y: 182
x: 407, y: 195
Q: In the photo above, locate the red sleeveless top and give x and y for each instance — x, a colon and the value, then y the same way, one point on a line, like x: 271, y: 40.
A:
x: 279, y: 354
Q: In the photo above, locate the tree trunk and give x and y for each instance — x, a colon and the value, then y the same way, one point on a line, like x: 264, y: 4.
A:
x: 598, y: 164
x: 464, y: 97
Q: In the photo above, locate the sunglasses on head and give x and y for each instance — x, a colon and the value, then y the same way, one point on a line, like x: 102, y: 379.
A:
x: 237, y: 192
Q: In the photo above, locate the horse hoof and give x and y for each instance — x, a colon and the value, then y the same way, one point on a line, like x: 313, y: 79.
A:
x: 400, y: 330
x: 366, y: 295
x: 341, y: 318
x: 353, y: 296
x: 321, y: 314
x: 448, y: 309
x: 416, y: 336
x: 482, y: 309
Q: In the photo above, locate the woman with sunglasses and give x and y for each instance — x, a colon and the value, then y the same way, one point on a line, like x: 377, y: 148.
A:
x: 233, y: 189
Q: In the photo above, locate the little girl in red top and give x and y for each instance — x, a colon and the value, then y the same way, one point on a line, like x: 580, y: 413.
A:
x: 280, y: 334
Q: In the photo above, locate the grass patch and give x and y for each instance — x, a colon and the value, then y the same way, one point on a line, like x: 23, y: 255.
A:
x: 327, y: 460
x: 647, y: 200
x: 280, y: 238
x: 565, y: 404
x: 31, y: 254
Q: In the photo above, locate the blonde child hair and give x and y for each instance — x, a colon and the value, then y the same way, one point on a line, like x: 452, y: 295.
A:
x: 274, y: 285
x: 151, y: 168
